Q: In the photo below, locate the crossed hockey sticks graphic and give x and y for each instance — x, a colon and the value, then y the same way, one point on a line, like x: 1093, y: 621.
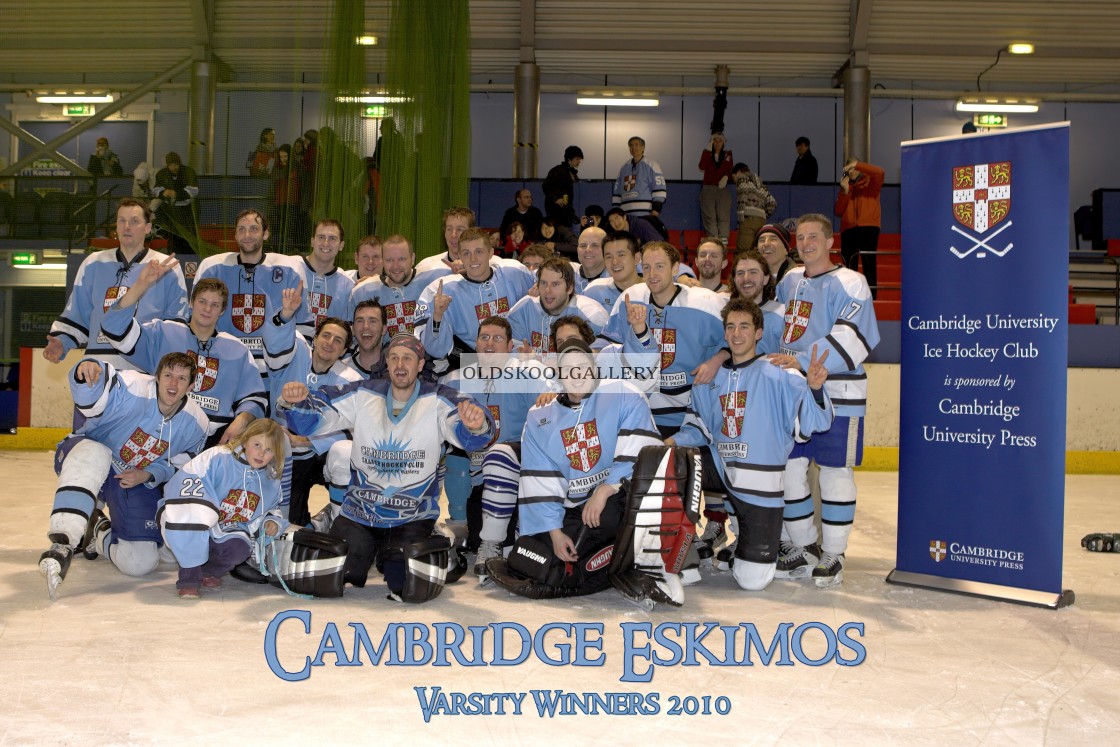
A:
x: 981, y: 242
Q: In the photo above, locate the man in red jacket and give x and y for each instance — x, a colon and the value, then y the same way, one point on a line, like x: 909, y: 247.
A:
x: 860, y: 214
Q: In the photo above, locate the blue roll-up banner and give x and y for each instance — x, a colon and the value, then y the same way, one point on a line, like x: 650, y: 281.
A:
x: 982, y: 436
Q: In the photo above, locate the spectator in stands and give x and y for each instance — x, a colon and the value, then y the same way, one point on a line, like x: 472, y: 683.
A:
x: 524, y: 213
x: 805, y: 167
x: 262, y: 159
x: 640, y: 187
x: 177, y: 186
x: 639, y: 227
x: 715, y: 202
x: 772, y: 243
x: 144, y: 186
x: 559, y: 238
x: 559, y: 188
x: 860, y: 213
x: 755, y: 205
x: 288, y: 215
x: 515, y: 241
x: 592, y: 216
x: 103, y: 161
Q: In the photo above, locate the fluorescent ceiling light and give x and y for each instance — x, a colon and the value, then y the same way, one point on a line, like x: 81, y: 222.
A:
x: 1002, y: 106
x: 366, y: 41
x: 615, y: 101
x: 373, y: 99
x: 74, y: 98
x: 46, y: 266
x: 1020, y: 48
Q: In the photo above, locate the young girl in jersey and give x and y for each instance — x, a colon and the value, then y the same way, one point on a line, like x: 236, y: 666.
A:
x: 218, y: 503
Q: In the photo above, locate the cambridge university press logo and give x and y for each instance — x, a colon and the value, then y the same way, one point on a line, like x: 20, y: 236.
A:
x: 938, y: 550
x: 981, y: 200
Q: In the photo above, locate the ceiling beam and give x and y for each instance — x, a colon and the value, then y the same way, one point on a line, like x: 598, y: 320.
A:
x: 859, y: 23
x: 528, y: 31
x: 101, y: 115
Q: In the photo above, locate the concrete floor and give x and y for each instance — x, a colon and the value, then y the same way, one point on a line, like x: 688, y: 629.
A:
x: 118, y: 660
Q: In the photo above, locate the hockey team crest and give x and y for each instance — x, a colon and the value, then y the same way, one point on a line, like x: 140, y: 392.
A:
x: 111, y: 296
x: 982, y: 200
x: 141, y: 450
x: 667, y: 342
x: 248, y: 311
x: 238, y: 506
x: 797, y: 319
x: 320, y: 304
x: 581, y: 445
x: 537, y: 341
x: 734, y: 406
x: 937, y: 550
x: 400, y: 317
x: 497, y: 307
x: 982, y: 194
x: 206, y: 371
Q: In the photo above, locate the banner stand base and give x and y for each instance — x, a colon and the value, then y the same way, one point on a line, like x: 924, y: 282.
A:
x: 1012, y: 594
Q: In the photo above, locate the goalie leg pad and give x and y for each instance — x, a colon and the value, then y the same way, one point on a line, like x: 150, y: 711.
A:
x: 498, y: 571
x: 662, y: 508
x: 308, y: 562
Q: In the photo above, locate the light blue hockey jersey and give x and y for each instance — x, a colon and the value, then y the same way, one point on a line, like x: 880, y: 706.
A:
x: 640, y: 187
x: 217, y: 495
x: 568, y: 450
x: 532, y: 324
x: 227, y: 382
x: 121, y: 411
x: 835, y: 312
x: 254, y: 295
x: 288, y: 357
x: 687, y: 332
x: 103, y: 278
x: 471, y: 302
x: 399, y: 303
x: 750, y: 414
x: 324, y: 296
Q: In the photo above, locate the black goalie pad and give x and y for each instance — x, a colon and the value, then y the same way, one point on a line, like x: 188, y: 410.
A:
x: 426, y: 568
x: 309, y: 562
x: 499, y: 572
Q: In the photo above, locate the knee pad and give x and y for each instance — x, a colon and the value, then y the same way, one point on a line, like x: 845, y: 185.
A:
x: 663, y: 506
x: 86, y: 465
x: 752, y: 576
x: 425, y: 570
x: 134, y: 558
x: 336, y: 471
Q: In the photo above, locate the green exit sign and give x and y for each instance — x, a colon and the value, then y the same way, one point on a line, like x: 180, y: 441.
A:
x: 25, y: 259
x: 374, y: 111
x: 78, y: 110
x: 989, y: 120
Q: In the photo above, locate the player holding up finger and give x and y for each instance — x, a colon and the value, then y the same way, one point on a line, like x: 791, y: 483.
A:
x: 748, y: 417
x: 830, y: 307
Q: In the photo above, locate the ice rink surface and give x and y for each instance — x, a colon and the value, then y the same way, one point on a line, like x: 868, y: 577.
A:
x: 118, y: 660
